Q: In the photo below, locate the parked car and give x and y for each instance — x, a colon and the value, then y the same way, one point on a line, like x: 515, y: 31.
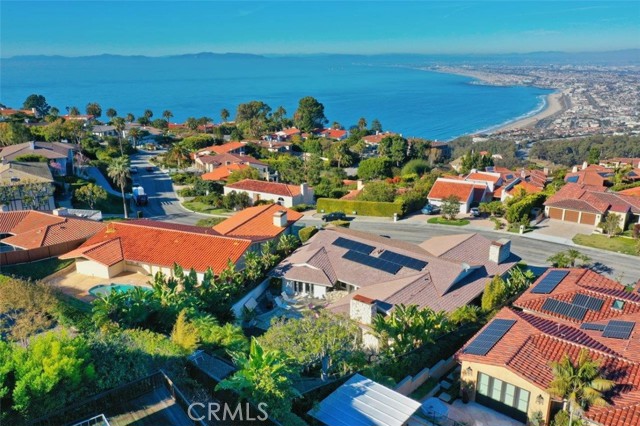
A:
x: 329, y: 217
x: 133, y: 170
x: 430, y: 209
x: 474, y: 212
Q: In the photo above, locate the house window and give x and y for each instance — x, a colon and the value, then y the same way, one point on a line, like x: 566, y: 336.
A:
x: 618, y: 304
x: 505, y: 394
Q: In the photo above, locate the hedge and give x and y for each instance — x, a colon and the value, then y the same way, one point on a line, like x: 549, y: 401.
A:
x: 364, y: 208
x: 306, y: 233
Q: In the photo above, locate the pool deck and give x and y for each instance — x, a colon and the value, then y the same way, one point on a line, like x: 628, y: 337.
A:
x: 78, y: 285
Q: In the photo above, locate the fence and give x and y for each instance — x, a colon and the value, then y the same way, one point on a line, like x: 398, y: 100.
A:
x: 255, y: 293
x: 410, y: 383
x: 40, y: 253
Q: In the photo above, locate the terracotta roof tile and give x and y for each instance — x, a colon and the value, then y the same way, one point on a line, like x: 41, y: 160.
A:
x: 256, y: 223
x: 223, y: 172
x: 266, y: 187
x: 445, y: 188
x: 162, y: 246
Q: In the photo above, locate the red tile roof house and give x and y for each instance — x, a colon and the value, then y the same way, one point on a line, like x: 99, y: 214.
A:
x: 337, y: 134
x: 364, y: 274
x: 284, y: 194
x: 56, y: 152
x: 148, y: 247
x: 29, y: 235
x: 209, y: 163
x: 468, y: 193
x: 234, y: 147
x: 582, y: 204
x: 286, y: 134
x: 511, y: 372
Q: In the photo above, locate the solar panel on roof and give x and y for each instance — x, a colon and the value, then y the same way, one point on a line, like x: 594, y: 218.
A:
x: 549, y: 282
x: 401, y: 259
x: 372, y: 262
x: 353, y: 245
x: 491, y: 335
x: 563, y: 308
x: 592, y: 326
x: 591, y: 303
x: 618, y: 329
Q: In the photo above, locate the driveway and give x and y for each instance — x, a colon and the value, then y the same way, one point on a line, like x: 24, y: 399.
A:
x: 557, y: 229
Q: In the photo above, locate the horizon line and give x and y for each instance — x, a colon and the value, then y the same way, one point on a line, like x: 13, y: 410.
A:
x: 323, y: 54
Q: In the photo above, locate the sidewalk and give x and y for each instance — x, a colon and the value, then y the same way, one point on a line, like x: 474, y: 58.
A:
x: 94, y: 173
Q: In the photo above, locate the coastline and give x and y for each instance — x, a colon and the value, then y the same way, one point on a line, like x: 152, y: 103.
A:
x: 553, y: 106
x: 553, y: 101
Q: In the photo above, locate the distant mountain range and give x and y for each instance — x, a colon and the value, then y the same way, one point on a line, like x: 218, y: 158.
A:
x: 617, y: 57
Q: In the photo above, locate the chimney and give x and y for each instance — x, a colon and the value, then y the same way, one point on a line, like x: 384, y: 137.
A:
x: 362, y: 309
x: 546, y: 171
x: 500, y: 250
x: 523, y: 174
x: 360, y: 185
x: 574, y: 169
x: 280, y: 219
x: 32, y: 145
x: 60, y: 212
x: 585, y: 165
x: 304, y: 189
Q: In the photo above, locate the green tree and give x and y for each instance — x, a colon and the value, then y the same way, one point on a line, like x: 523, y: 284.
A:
x: 38, y: 102
x: 594, y: 156
x: 494, y: 294
x: 317, y: 340
x: 378, y: 191
x: 340, y: 154
x: 309, y: 115
x: 465, y: 314
x: 581, y: 383
x: 287, y: 244
x: 416, y: 166
x: 450, y: 207
x: 178, y: 154
x: 224, y: 115
x: 147, y: 114
x: 31, y: 158
x: 398, y: 150
x: 48, y: 371
x: 94, y: 109
x: 73, y: 111
x: 374, y: 168
x: 14, y: 133
x: 119, y: 124
x: 167, y: 115
x: 134, y: 134
x: 264, y: 376
x: 408, y: 327
x: 362, y: 123
x: 376, y: 127
x: 246, y: 173
x: 611, y: 225
x: 91, y: 194
x: 119, y: 171
x: 111, y: 113
x: 559, y: 260
x: 185, y: 333
x: 130, y: 118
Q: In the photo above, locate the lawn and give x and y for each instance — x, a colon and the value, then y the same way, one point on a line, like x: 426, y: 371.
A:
x: 210, y: 221
x: 201, y: 207
x: 442, y: 221
x: 424, y: 389
x: 112, y: 205
x: 617, y: 244
x: 36, y: 270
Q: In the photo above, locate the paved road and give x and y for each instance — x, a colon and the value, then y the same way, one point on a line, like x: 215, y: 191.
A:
x: 533, y: 252
x: 163, y: 202
x: 164, y: 205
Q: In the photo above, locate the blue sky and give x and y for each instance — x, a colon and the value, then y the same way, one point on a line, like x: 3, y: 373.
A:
x: 156, y: 28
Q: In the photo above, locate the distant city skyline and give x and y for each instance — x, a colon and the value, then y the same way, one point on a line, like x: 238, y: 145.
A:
x: 157, y: 28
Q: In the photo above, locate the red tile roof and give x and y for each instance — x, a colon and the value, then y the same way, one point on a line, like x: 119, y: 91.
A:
x: 632, y: 192
x: 576, y: 197
x: 444, y: 188
x: 539, y: 337
x: 160, y: 246
x: 526, y: 186
x: 256, y: 223
x: 266, y: 187
x: 32, y: 229
x: 487, y: 177
x: 223, y: 172
x: 224, y: 148
x: 375, y: 139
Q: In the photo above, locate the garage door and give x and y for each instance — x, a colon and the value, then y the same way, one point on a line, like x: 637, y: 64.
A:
x: 571, y: 215
x: 555, y: 213
x: 588, y: 219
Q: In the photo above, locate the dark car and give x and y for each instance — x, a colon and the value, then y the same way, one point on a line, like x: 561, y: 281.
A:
x: 430, y: 209
x: 329, y: 217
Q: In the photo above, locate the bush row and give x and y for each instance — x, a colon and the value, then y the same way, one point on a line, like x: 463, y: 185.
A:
x: 365, y: 208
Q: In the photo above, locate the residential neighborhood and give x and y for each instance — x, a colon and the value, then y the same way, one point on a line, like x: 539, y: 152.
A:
x: 388, y: 280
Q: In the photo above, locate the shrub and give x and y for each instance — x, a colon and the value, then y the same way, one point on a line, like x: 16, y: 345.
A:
x: 378, y: 191
x: 341, y: 223
x: 196, y: 142
x: 374, y: 168
x: 301, y: 207
x: 305, y: 233
x: 184, y: 178
x: 416, y: 166
x: 498, y: 224
x: 519, y: 210
x: 365, y: 208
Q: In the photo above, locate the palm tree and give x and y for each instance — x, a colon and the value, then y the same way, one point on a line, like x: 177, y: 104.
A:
x: 118, y: 171
x: 178, y: 153
x: 224, y: 114
x: 362, y: 123
x: 573, y: 255
x: 134, y: 134
x: 167, y: 115
x: 287, y: 244
x: 130, y: 117
x: 148, y: 114
x: 119, y: 124
x: 111, y: 113
x: 252, y: 266
x: 581, y: 383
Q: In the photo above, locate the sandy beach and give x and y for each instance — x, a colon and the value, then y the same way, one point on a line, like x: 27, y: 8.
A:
x: 554, y: 106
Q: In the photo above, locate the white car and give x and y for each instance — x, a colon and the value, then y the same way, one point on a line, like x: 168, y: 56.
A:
x: 474, y: 212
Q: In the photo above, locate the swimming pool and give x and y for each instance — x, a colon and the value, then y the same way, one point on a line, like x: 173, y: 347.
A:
x: 106, y: 289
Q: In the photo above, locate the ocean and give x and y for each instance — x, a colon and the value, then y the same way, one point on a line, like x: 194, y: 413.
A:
x: 405, y: 99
